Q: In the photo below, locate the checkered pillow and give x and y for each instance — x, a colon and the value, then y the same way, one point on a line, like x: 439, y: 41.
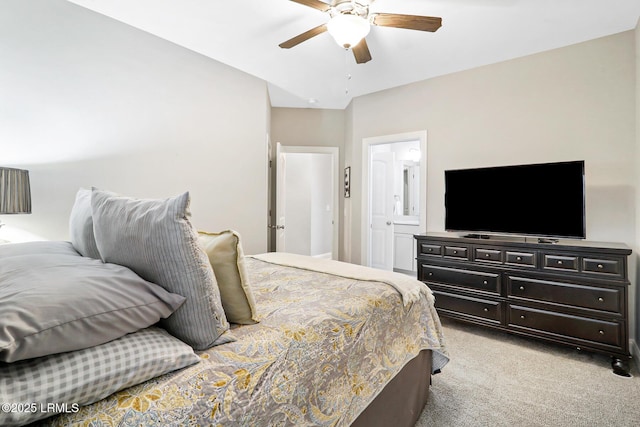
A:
x: 85, y: 376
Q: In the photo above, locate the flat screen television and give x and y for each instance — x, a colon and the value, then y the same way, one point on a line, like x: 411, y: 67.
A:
x: 545, y: 199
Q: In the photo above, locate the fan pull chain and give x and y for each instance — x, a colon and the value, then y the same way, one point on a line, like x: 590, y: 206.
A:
x: 348, y: 74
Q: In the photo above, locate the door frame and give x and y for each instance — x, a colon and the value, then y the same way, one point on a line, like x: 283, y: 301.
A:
x: 367, y: 143
x: 335, y: 158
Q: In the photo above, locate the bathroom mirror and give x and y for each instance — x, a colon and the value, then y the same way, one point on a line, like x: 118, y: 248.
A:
x: 407, y: 208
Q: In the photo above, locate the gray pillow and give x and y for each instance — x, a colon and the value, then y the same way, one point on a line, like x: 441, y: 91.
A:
x: 53, y: 300
x: 155, y: 239
x: 85, y: 376
x: 81, y: 225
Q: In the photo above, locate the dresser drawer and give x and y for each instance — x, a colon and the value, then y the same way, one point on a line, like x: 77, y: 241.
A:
x: 597, y: 298
x: 477, y: 280
x: 613, y: 266
x: 486, y: 254
x: 451, y: 304
x: 429, y: 249
x: 565, y: 325
x: 456, y: 252
x: 521, y: 258
x: 559, y: 262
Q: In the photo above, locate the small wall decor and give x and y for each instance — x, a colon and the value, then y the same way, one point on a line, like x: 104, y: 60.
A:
x: 347, y: 182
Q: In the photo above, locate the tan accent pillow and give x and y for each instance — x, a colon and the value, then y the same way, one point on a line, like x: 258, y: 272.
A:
x: 227, y: 259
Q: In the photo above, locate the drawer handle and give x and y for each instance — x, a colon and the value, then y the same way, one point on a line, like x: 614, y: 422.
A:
x: 518, y: 258
x: 430, y: 250
x: 484, y: 282
x: 601, y: 332
x: 485, y: 309
x: 600, y: 266
x: 559, y: 262
x: 600, y: 299
x: 487, y: 255
x: 522, y: 316
x: 431, y: 273
x: 522, y: 288
x: 455, y: 252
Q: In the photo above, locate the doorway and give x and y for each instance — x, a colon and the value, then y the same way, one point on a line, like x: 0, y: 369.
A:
x: 307, y: 201
x: 394, y: 200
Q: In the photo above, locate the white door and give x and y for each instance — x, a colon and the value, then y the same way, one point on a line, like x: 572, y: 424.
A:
x: 281, y: 201
x: 382, y: 201
x: 307, y: 188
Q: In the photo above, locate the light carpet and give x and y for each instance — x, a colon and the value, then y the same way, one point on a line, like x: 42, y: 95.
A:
x: 497, y: 379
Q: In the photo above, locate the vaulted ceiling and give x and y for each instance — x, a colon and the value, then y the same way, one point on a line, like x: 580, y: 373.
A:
x: 318, y: 73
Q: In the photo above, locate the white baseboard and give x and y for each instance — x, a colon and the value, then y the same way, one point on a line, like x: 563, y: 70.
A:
x: 323, y: 256
x: 635, y: 352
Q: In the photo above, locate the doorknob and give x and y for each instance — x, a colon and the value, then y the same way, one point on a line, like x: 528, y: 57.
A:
x: 388, y: 222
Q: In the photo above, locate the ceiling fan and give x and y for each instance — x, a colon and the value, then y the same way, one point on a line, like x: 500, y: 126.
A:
x: 350, y: 23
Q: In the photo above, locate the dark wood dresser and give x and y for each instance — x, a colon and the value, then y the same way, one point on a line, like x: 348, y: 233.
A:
x: 571, y: 292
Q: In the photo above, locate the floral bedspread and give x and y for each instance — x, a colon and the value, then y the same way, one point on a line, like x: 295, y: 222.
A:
x: 324, y: 348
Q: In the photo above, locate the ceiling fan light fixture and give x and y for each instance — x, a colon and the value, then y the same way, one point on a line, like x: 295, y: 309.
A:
x: 347, y: 29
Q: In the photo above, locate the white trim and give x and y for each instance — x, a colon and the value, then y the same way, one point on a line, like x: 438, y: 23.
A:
x: 366, y: 161
x: 337, y: 179
x: 635, y: 352
x: 270, y: 187
x: 323, y: 256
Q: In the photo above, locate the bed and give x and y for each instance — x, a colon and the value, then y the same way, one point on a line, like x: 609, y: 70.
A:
x: 299, y: 341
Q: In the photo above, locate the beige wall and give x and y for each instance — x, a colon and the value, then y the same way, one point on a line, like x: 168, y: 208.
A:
x: 308, y: 127
x: 349, y: 159
x: 88, y: 101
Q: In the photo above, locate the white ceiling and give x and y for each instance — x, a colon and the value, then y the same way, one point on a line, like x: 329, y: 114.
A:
x: 245, y: 34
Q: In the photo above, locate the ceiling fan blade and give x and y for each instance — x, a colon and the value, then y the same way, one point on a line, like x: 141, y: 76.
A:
x: 410, y: 22
x: 316, y: 4
x: 304, y: 36
x: 361, y: 52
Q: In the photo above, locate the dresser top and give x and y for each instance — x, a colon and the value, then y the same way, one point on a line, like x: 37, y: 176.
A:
x: 529, y: 242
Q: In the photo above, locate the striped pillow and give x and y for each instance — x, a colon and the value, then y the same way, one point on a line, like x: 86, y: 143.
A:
x: 155, y: 239
x: 81, y: 225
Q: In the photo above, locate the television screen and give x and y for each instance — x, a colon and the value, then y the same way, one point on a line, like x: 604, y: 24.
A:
x: 544, y: 199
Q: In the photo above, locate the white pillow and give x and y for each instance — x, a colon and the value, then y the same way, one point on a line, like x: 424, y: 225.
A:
x: 53, y: 300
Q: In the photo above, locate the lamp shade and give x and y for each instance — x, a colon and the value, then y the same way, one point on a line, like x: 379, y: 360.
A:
x: 347, y: 29
x: 15, y: 191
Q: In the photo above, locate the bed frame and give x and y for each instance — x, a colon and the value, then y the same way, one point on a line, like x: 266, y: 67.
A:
x: 401, y: 402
